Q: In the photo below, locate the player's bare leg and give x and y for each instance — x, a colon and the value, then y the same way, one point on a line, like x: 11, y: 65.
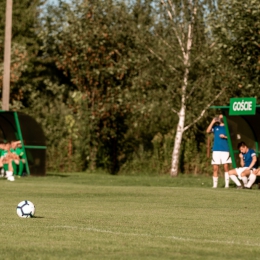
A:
x: 9, y: 173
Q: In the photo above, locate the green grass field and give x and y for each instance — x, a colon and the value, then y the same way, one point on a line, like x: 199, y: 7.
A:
x: 98, y: 216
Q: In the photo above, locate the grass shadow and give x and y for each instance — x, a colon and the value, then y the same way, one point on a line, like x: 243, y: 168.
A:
x: 57, y: 175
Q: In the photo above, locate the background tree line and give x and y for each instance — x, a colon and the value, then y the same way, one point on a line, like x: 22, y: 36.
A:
x: 118, y: 85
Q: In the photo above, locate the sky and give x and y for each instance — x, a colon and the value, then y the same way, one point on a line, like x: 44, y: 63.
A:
x: 55, y: 1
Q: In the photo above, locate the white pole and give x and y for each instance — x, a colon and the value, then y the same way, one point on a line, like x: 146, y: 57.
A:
x: 7, y: 55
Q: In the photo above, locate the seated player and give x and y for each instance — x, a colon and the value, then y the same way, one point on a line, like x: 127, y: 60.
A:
x: 248, y: 162
x: 9, y: 159
x: 2, y: 171
x: 2, y: 153
x: 18, y: 164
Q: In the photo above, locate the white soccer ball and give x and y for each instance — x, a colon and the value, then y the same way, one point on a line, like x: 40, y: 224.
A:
x: 25, y: 209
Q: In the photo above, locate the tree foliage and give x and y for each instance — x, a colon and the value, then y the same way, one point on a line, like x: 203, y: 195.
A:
x: 236, y: 32
x: 95, y: 47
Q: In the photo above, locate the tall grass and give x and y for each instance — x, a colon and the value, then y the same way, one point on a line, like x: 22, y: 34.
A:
x: 194, y: 157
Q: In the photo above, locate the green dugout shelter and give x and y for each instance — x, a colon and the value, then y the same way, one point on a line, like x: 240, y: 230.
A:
x: 242, y: 122
x: 19, y: 126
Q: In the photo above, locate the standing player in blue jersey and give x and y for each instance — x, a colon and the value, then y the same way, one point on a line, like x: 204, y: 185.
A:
x: 248, y: 163
x: 220, y: 149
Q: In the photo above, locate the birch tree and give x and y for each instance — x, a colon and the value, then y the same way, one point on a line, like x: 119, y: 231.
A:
x: 184, y: 16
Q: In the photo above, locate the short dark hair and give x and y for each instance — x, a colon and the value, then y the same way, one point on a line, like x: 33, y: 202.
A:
x: 241, y: 144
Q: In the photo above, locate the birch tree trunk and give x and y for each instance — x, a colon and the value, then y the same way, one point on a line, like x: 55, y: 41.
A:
x: 180, y: 127
x: 186, y: 50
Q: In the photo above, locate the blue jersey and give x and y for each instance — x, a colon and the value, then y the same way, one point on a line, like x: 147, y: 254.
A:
x: 220, y: 144
x: 247, y: 157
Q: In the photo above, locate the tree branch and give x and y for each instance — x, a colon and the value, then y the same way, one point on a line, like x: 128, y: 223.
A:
x: 175, y: 111
x: 204, y: 110
x: 193, y: 88
x: 165, y: 42
x: 174, y: 28
x: 159, y: 58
